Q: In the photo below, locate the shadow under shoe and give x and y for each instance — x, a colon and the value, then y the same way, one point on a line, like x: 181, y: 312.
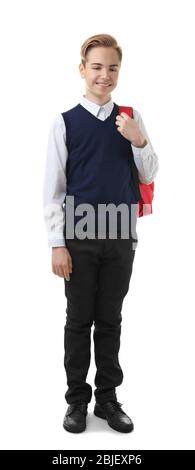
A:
x: 75, y: 417
x: 117, y: 419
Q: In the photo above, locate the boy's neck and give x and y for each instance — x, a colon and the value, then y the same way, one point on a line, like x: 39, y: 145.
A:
x: 96, y: 99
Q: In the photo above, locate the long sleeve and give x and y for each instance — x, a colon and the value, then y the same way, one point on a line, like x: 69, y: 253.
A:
x: 55, y: 183
x: 145, y: 158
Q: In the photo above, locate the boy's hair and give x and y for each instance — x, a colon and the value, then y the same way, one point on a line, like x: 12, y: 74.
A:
x: 104, y: 40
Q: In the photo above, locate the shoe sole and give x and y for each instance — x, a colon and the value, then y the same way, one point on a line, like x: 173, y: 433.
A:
x: 101, y: 414
x: 75, y: 431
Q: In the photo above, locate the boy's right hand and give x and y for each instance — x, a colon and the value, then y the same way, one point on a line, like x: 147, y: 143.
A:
x: 61, y: 262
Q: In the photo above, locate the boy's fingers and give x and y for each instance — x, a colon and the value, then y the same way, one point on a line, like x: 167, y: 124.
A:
x: 66, y: 273
x: 63, y: 269
x: 60, y: 271
x: 67, y: 277
x: 125, y: 116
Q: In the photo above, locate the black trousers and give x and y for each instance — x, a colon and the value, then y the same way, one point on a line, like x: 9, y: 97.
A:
x: 98, y: 284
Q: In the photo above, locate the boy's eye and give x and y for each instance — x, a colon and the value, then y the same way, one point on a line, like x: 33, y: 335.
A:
x: 96, y: 68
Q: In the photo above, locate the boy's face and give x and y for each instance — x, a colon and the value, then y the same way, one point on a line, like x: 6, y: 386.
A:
x: 100, y: 73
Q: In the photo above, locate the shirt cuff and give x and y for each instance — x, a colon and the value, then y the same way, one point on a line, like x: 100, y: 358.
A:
x: 57, y: 241
x: 142, y: 152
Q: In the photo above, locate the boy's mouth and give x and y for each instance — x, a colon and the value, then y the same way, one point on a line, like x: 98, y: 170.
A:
x: 103, y: 84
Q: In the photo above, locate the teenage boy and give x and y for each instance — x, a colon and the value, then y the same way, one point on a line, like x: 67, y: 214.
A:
x: 98, y: 157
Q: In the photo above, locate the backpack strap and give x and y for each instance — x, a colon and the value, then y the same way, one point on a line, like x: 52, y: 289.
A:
x: 126, y: 109
x: 146, y: 190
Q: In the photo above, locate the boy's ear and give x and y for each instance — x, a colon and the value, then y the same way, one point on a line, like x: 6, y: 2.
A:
x: 81, y: 70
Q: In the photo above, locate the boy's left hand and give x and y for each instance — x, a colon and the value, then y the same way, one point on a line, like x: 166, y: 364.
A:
x: 130, y: 130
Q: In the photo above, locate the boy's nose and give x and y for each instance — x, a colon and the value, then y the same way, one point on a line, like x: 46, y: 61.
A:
x: 105, y: 75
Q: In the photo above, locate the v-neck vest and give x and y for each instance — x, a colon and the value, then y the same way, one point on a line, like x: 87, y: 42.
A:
x: 100, y: 168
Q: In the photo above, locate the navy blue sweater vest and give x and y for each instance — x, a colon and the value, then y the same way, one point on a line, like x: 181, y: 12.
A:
x: 100, y: 167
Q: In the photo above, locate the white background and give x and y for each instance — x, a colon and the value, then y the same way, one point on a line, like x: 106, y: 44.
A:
x: 40, y: 43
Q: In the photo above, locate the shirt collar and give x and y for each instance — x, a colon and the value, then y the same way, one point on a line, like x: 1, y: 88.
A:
x: 95, y: 108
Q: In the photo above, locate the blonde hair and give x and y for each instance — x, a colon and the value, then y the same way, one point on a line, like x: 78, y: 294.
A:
x: 98, y: 40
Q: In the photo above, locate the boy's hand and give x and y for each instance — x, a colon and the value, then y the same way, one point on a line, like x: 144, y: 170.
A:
x: 61, y: 262
x: 130, y: 130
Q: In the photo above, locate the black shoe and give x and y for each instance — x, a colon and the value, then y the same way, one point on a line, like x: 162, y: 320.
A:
x: 75, y: 417
x: 116, y: 417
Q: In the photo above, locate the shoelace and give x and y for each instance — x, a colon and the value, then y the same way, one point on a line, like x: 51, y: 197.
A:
x: 116, y: 406
x: 78, y: 405
x: 117, y: 403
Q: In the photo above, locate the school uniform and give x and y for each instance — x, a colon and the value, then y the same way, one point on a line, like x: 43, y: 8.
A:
x: 89, y: 159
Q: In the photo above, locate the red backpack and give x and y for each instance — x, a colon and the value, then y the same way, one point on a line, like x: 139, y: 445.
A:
x: 146, y: 190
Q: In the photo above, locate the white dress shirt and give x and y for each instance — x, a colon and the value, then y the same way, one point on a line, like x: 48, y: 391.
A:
x: 54, y: 191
